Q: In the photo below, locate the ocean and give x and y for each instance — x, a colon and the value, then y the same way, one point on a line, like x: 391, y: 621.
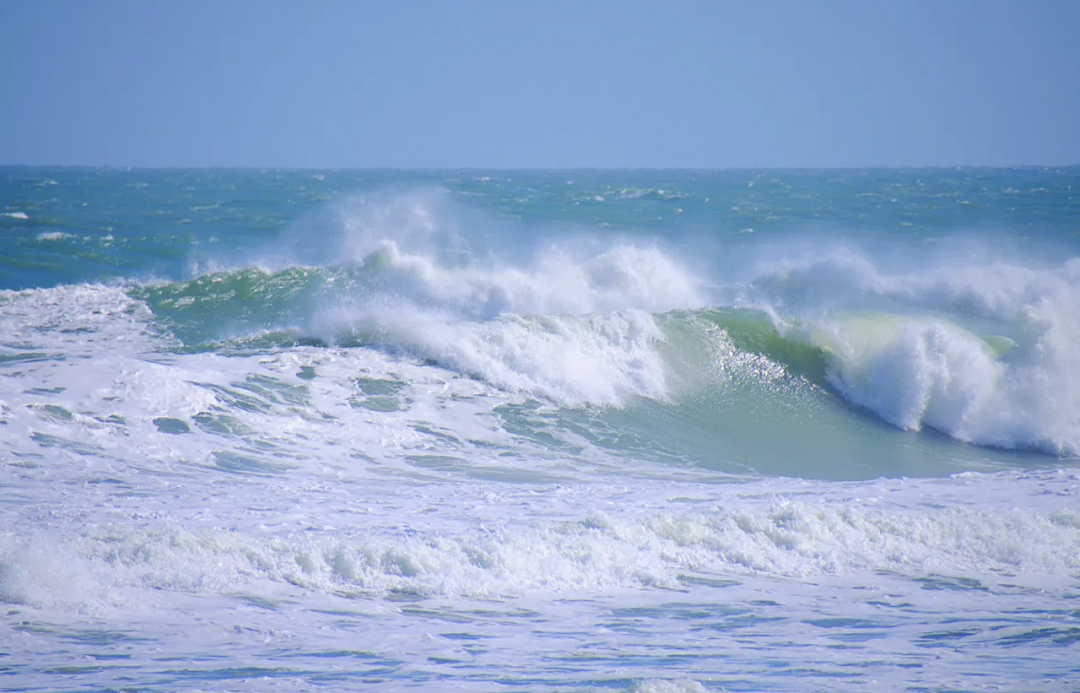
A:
x: 649, y: 430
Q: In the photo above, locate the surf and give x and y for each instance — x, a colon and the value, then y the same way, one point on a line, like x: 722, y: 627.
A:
x: 978, y: 350
x: 750, y: 408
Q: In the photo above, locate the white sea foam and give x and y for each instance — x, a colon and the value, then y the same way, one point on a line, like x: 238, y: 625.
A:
x: 80, y: 318
x: 928, y: 370
x: 667, y: 686
x: 90, y: 382
x: 567, y: 320
x: 571, y: 360
x: 54, y: 236
x: 560, y: 279
x: 15, y: 215
x: 600, y: 552
x: 912, y: 371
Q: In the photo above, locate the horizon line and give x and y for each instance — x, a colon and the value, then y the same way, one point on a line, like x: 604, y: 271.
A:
x: 248, y: 167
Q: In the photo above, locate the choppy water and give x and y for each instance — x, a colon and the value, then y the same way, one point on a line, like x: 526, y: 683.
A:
x: 588, y: 430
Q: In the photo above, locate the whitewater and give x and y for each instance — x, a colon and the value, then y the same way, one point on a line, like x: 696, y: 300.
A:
x: 647, y: 431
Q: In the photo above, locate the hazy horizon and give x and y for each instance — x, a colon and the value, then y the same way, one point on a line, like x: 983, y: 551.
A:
x: 511, y: 169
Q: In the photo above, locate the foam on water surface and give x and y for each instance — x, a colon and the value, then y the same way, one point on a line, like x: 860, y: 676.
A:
x: 479, y: 432
x: 489, y: 582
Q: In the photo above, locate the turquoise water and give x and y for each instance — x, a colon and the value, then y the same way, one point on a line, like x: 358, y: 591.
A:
x: 539, y: 430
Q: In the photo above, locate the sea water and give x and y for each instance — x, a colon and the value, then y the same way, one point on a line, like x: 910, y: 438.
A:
x: 540, y: 430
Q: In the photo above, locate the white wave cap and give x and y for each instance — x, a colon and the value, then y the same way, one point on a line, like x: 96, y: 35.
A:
x: 560, y: 280
x: 931, y: 370
x: 667, y: 686
x: 567, y: 320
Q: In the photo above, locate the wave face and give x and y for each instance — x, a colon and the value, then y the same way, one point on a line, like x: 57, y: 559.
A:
x: 391, y: 426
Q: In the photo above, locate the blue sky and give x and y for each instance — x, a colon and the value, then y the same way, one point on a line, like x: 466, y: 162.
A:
x: 459, y: 83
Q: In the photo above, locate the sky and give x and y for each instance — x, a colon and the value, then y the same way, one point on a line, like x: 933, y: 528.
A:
x: 539, y: 84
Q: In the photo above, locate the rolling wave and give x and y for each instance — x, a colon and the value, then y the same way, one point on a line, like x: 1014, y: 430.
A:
x: 630, y: 322
x: 981, y: 350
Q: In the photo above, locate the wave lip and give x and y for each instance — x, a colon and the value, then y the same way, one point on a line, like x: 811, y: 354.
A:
x: 910, y: 371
